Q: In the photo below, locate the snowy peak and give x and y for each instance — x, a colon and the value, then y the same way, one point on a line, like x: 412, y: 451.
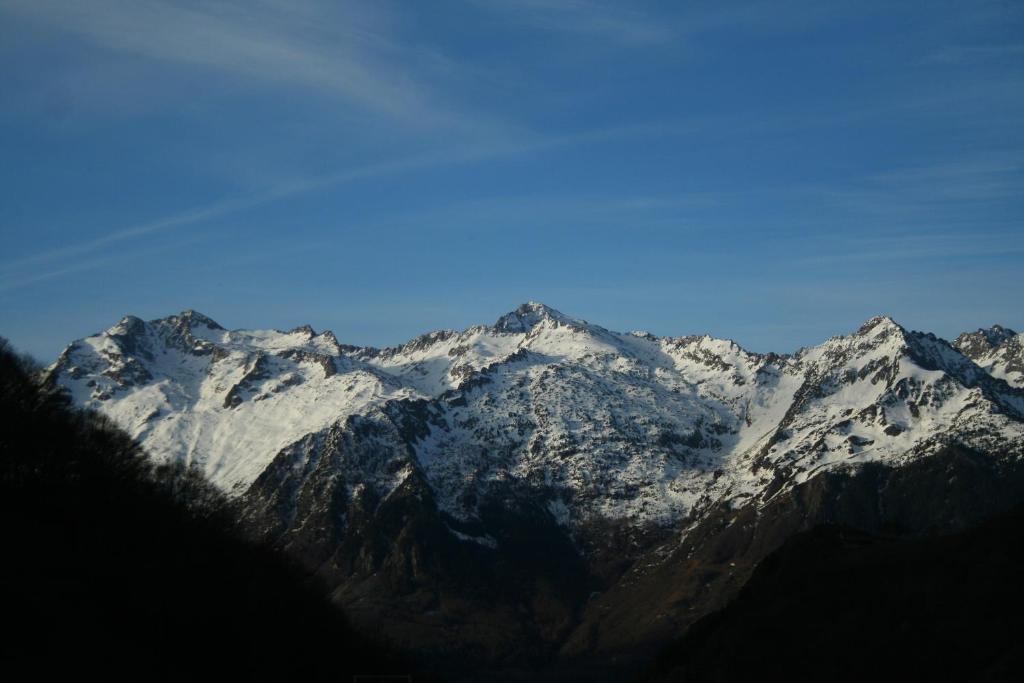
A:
x: 976, y: 344
x: 881, y: 339
x: 188, y: 323
x: 188, y: 331
x: 194, y: 318
x: 128, y: 326
x: 882, y: 334
x: 998, y: 350
x: 912, y: 355
x: 529, y: 315
x: 879, y: 332
x: 596, y: 422
x: 878, y: 340
x: 880, y: 325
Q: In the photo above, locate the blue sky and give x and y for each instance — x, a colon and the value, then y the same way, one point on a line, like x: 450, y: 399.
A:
x: 774, y: 172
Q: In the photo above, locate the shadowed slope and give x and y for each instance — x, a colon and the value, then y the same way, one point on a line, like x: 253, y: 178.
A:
x: 838, y: 604
x: 125, y: 572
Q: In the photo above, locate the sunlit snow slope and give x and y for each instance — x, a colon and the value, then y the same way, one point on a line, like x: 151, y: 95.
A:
x: 998, y: 349
x: 594, y: 422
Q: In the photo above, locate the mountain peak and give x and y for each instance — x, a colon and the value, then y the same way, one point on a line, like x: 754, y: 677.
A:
x: 880, y: 324
x: 192, y: 317
x: 527, y: 315
x: 978, y: 344
x: 128, y: 325
x: 983, y: 340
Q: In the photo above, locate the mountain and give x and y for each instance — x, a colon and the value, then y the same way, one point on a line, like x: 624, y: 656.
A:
x: 999, y: 350
x: 547, y: 402
x: 544, y: 485
x: 117, y: 570
x: 837, y: 604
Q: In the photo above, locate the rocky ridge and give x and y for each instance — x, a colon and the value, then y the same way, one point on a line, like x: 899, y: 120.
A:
x: 515, y: 490
x: 999, y: 350
x: 597, y: 423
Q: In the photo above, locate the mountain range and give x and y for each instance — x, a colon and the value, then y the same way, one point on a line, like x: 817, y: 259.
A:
x: 544, y: 491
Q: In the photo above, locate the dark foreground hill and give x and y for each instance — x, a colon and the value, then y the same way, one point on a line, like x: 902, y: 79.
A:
x: 836, y: 604
x: 114, y: 570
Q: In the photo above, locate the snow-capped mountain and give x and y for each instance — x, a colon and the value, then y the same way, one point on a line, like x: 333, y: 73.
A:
x: 999, y: 350
x: 595, y: 422
x: 544, y: 485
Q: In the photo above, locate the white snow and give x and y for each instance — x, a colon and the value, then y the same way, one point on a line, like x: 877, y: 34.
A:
x: 600, y: 423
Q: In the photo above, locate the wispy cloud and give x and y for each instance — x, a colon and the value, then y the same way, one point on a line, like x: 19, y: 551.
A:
x: 219, y: 209
x: 26, y: 270
x: 629, y: 24
x: 968, y: 179
x: 897, y: 193
x: 941, y: 190
x: 635, y: 212
x: 341, y: 49
x: 970, y: 54
x: 34, y: 276
x: 614, y: 21
x: 925, y: 249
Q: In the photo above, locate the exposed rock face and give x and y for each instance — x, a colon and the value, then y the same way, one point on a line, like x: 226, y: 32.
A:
x: 999, y: 350
x: 546, y: 484
x: 977, y: 344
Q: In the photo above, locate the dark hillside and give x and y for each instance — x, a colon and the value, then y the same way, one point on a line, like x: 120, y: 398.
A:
x: 834, y: 604
x: 114, y: 570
